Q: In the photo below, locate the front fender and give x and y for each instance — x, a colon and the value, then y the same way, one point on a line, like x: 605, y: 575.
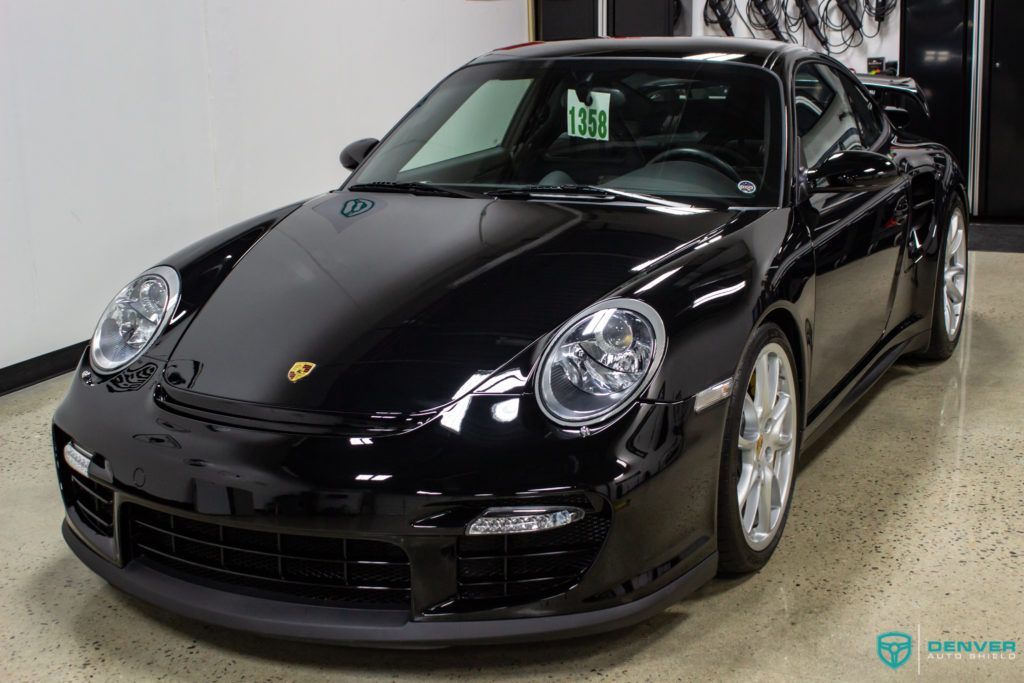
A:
x: 713, y: 298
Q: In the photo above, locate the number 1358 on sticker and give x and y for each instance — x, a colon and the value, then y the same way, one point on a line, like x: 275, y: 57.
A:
x: 587, y: 121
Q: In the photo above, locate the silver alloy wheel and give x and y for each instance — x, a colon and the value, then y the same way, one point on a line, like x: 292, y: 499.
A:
x: 767, y: 444
x: 955, y: 274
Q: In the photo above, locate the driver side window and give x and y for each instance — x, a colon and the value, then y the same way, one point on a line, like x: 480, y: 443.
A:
x: 824, y: 117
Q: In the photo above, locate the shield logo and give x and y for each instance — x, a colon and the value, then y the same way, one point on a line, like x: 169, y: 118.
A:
x: 355, y: 207
x: 894, y: 648
x: 300, y: 370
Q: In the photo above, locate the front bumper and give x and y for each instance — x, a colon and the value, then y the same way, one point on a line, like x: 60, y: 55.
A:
x: 369, y: 627
x: 651, y: 476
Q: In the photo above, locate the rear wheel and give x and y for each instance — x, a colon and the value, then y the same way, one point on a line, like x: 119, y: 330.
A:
x: 950, y: 306
x: 759, y: 453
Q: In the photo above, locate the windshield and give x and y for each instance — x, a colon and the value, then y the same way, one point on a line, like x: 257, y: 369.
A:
x: 682, y: 129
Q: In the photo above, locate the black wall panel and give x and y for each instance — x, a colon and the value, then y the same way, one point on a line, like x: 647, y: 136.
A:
x: 642, y: 17
x: 1003, y: 112
x: 936, y: 51
x: 565, y: 19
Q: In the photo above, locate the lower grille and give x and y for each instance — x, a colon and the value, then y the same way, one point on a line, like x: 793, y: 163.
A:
x: 93, y: 501
x: 518, y: 568
x: 292, y: 567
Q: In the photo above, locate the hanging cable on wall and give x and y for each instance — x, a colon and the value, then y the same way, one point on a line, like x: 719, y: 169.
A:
x: 853, y: 11
x: 769, y: 16
x: 764, y: 15
x: 793, y: 24
x: 845, y: 19
x: 838, y: 25
x: 722, y: 13
x: 879, y: 10
x: 808, y: 18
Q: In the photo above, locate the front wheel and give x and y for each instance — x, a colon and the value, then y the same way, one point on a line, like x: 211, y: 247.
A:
x: 759, y: 453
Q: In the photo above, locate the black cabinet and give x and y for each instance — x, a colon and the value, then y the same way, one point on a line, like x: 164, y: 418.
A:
x: 1003, y: 112
x: 935, y: 49
x: 565, y: 19
x: 643, y: 17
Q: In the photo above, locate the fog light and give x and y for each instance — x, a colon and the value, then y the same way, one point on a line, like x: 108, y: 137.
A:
x: 522, y: 520
x: 77, y: 459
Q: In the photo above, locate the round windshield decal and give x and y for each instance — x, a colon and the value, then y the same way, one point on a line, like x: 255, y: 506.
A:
x: 746, y: 187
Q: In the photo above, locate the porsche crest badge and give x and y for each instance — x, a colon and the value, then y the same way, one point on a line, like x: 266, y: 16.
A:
x: 300, y: 370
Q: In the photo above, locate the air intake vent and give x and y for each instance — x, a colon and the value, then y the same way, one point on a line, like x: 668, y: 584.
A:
x: 292, y: 567
x: 520, y: 568
x: 93, y: 501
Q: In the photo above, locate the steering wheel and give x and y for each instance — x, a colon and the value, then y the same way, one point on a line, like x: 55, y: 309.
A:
x: 698, y: 155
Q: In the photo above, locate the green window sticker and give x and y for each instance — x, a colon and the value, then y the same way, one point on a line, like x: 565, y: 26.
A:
x: 587, y: 121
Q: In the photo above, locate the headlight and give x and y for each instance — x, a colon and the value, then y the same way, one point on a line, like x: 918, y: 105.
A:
x: 599, y: 361
x: 134, y: 319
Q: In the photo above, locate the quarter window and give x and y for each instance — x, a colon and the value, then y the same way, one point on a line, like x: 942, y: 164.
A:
x: 824, y: 116
x: 865, y: 111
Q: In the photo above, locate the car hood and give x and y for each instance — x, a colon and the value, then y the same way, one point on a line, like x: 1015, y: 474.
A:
x: 405, y: 302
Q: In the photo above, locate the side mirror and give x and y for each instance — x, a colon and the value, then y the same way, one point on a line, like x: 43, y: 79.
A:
x: 853, y: 170
x: 899, y: 116
x: 355, y: 152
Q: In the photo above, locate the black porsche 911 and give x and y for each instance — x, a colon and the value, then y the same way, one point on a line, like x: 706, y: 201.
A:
x: 544, y: 364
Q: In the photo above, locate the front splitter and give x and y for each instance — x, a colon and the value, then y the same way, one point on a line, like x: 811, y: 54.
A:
x: 375, y: 628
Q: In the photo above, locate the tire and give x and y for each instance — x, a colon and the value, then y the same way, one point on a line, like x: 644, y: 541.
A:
x: 952, y: 255
x: 745, y: 543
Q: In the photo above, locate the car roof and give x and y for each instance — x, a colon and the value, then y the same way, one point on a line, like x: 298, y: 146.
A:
x: 748, y: 50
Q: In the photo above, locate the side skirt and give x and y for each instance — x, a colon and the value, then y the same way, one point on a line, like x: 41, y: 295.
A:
x: 829, y: 413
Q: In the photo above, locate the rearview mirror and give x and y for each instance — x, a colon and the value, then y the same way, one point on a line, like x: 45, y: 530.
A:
x: 853, y: 170
x: 899, y: 116
x: 355, y: 152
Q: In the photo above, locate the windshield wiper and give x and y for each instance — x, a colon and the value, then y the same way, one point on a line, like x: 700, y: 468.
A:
x: 423, y: 189
x: 569, y: 191
x: 552, y: 191
x: 576, y: 192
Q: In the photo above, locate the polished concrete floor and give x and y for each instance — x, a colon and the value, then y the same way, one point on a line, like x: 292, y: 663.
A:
x: 909, y: 517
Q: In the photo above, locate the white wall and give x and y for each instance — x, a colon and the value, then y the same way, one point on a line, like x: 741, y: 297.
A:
x: 885, y: 44
x: 129, y: 129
